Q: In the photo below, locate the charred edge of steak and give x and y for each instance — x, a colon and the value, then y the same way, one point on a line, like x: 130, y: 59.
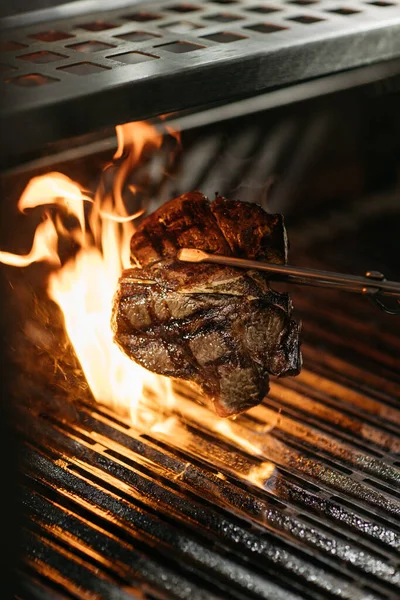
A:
x: 250, y: 231
x: 222, y: 227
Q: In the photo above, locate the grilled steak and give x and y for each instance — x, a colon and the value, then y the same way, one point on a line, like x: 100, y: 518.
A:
x: 221, y: 328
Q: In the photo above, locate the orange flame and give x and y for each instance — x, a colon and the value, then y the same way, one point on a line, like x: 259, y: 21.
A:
x: 44, y: 248
x: 84, y: 286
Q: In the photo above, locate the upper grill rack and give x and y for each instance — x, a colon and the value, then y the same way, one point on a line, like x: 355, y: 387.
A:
x: 75, y: 75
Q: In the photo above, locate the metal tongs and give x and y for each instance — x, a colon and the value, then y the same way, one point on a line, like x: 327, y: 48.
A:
x: 373, y: 285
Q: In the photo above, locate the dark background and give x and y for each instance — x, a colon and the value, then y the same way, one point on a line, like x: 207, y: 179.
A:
x: 10, y: 520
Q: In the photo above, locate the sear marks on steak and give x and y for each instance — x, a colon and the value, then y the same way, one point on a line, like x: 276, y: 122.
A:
x: 218, y: 327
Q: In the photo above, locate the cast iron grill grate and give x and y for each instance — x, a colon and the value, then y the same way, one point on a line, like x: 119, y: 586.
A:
x: 182, y: 55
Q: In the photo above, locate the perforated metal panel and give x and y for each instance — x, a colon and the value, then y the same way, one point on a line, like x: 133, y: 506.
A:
x: 74, y: 75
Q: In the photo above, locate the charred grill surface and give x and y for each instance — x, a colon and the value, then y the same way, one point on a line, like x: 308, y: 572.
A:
x: 217, y: 327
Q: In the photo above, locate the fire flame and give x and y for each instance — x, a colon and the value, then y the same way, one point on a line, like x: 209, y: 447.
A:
x: 83, y: 287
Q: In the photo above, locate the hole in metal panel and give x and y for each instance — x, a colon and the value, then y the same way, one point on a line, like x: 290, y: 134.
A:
x: 83, y: 68
x: 266, y: 28
x: 98, y: 26
x: 10, y: 46
x: 383, y: 4
x: 223, y: 18
x: 180, y: 47
x: 51, y: 36
x: 90, y: 46
x: 224, y: 37
x: 132, y: 58
x: 305, y: 19
x: 180, y: 26
x: 263, y: 9
x: 31, y: 80
x: 224, y: 1
x: 5, y: 68
x: 142, y: 17
x: 184, y: 8
x: 42, y: 57
x: 137, y: 36
x: 344, y: 11
x: 304, y: 2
